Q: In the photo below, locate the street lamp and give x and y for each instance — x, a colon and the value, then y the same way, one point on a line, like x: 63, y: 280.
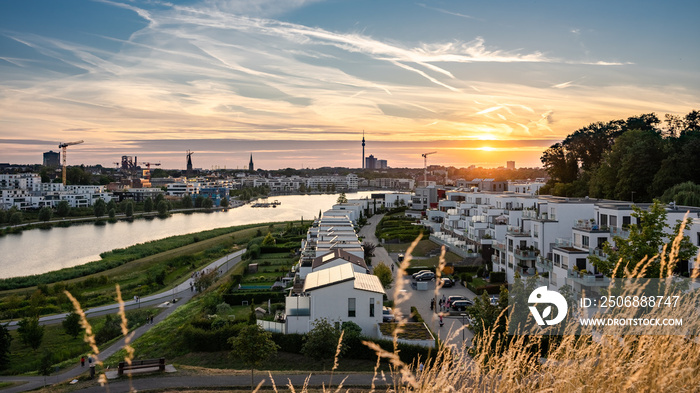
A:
x: 463, y: 329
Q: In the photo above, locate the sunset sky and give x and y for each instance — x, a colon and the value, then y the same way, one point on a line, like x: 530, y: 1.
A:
x: 295, y: 82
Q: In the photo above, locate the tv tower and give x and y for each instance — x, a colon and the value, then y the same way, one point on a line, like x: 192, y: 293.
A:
x: 363, y: 149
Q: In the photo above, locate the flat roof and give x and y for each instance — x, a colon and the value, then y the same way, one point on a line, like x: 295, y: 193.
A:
x: 338, y: 274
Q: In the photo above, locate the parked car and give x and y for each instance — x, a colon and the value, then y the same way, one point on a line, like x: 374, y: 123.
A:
x: 454, y: 298
x: 447, y: 282
x: 387, y: 315
x: 461, y: 305
x: 401, y: 256
x: 414, y: 275
x: 427, y: 276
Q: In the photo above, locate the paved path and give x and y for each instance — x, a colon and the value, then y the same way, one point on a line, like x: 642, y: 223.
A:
x: 240, y: 380
x: 182, y: 292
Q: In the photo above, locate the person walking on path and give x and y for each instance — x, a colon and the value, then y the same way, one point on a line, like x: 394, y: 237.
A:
x: 82, y: 361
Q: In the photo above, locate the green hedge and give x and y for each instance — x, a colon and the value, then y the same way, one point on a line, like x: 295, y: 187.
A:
x: 416, y: 269
x: 491, y: 289
x: 291, y: 343
x: 202, y: 340
x: 236, y: 298
x: 466, y: 269
x: 497, y: 277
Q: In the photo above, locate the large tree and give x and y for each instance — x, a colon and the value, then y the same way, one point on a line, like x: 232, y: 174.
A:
x: 45, y: 213
x: 63, y: 208
x: 628, y: 170
x: 71, y: 325
x: 645, y: 240
x: 100, y: 207
x: 384, y: 274
x: 321, y: 341
x: 187, y: 202
x: 253, y: 346
x: 5, y: 342
x: 30, y: 332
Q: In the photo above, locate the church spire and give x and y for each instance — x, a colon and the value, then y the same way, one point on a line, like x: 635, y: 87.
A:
x: 251, y: 167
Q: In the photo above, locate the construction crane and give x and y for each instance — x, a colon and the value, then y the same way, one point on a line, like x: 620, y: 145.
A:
x: 425, y: 167
x: 63, y: 146
x: 148, y: 165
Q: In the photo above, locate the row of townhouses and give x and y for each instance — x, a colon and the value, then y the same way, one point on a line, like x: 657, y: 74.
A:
x: 527, y: 235
x: 331, y: 279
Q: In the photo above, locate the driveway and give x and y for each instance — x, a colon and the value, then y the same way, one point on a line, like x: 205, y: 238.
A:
x: 420, y: 299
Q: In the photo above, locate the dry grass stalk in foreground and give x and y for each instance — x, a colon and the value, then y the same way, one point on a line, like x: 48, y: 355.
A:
x: 610, y: 363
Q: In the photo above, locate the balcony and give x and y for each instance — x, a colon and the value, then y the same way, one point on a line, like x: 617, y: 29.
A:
x: 526, y: 254
x: 561, y: 242
x: 590, y: 226
x: 588, y: 280
x: 621, y: 232
x: 543, y: 264
x: 530, y: 214
x: 499, y: 246
x: 517, y: 231
x: 525, y: 271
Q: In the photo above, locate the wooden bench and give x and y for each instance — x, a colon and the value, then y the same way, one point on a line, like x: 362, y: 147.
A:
x: 141, y: 364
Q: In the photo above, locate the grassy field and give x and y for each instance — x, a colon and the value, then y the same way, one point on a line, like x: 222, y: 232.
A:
x: 270, y: 266
x: 66, y: 350
x: 421, y: 251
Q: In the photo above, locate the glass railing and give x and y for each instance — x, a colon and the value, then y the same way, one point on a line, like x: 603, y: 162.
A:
x: 588, y: 279
x: 527, y: 254
x: 562, y: 242
x: 544, y: 264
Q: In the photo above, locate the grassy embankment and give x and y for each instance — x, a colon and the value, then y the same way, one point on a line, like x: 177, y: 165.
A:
x: 140, y: 270
x: 65, y: 350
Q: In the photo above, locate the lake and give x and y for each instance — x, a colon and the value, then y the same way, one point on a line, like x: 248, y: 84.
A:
x: 39, y: 251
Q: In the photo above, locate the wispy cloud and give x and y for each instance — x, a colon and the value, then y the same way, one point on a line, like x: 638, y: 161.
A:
x: 222, y: 70
x: 446, y: 11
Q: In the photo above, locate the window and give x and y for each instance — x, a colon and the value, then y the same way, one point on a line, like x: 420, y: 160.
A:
x: 584, y: 241
x: 626, y: 221
x: 351, y: 307
x: 371, y: 307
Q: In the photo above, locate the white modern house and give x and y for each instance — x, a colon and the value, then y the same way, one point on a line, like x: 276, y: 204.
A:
x: 338, y: 294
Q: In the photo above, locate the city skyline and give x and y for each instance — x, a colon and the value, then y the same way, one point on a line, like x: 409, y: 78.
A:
x: 295, y: 83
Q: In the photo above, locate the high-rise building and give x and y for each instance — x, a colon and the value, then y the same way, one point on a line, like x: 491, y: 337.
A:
x: 251, y: 167
x: 510, y: 164
x: 52, y: 159
x: 370, y: 162
x: 381, y: 164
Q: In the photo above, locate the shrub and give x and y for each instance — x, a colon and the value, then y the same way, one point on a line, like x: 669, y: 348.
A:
x: 498, y: 277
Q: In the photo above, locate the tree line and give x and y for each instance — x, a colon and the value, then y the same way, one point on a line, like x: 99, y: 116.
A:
x: 638, y: 159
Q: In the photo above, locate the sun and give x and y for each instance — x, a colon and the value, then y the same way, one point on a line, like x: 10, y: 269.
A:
x: 487, y: 148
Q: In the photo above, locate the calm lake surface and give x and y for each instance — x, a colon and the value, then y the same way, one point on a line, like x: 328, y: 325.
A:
x: 39, y: 251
